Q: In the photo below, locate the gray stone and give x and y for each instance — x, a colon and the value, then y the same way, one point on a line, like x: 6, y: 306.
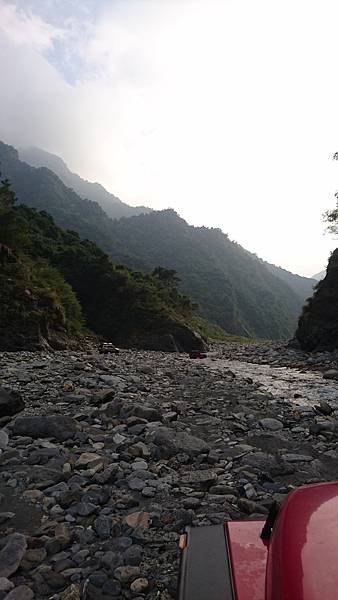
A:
x: 12, y: 554
x: 3, y: 439
x: 22, y: 592
x: 140, y: 465
x: 102, y: 526
x: 148, y: 413
x: 57, y: 426
x: 199, y: 479
x: 126, y: 573
x: 5, y: 584
x: 331, y: 374
x: 271, y: 424
x: 293, y: 458
x: 133, y: 555
x: 112, y: 588
x: 171, y: 442
x: 85, y: 508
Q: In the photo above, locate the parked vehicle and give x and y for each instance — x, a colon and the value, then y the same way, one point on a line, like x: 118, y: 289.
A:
x: 290, y: 556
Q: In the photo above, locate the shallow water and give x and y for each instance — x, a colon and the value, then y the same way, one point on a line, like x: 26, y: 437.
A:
x: 282, y: 382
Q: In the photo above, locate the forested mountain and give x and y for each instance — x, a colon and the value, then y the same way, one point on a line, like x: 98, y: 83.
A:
x: 231, y: 285
x: 55, y: 286
x: 234, y: 288
x: 318, y: 325
x: 113, y: 206
x: 302, y: 286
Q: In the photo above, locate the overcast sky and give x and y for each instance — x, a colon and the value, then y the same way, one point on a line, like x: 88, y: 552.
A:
x: 226, y: 110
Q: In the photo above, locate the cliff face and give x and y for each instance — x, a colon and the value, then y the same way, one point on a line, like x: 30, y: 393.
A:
x: 318, y: 324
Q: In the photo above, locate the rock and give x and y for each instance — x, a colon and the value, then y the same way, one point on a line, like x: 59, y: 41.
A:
x: 133, y: 555
x: 126, y: 573
x: 293, y: 458
x: 112, y: 588
x: 199, y: 479
x: 12, y: 554
x: 3, y: 439
x: 171, y: 442
x: 140, y: 465
x: 271, y: 424
x: 6, y: 516
x: 139, y: 520
x: 148, y: 413
x: 56, y: 426
x: 84, y: 509
x: 22, y: 592
x: 139, y: 586
x: 5, y: 584
x: 102, y: 526
x: 33, y: 495
x: 73, y: 592
x: 10, y: 403
x: 112, y: 559
x: 35, y: 555
x: 331, y: 374
x: 192, y: 503
x: 324, y: 408
x: 221, y: 489
x: 140, y: 449
x: 250, y: 507
x: 87, y: 459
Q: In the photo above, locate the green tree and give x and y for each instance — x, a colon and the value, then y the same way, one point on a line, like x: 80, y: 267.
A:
x: 13, y: 228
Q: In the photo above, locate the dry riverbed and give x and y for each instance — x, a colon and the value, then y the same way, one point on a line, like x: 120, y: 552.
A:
x: 110, y: 457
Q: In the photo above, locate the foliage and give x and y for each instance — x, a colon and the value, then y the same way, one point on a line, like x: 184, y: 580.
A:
x: 57, y: 273
x: 33, y: 294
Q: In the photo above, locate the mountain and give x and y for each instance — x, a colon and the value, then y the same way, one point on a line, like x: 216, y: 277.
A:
x: 319, y: 276
x: 302, y: 286
x: 234, y: 288
x: 318, y: 325
x: 113, y: 206
x: 53, y: 286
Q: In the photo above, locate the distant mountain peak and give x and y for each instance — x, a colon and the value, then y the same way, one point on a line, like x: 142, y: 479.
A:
x: 113, y: 206
x: 319, y: 276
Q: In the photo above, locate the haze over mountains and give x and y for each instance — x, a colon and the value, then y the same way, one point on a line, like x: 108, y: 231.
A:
x: 233, y: 287
x: 113, y: 206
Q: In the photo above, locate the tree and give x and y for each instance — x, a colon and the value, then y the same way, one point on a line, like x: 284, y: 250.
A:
x: 167, y: 277
x: 13, y: 228
x: 331, y: 216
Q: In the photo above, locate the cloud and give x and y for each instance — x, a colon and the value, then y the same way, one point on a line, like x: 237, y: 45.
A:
x: 26, y: 29
x: 224, y: 110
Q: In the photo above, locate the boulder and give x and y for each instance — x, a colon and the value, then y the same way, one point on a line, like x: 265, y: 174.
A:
x: 271, y: 424
x: 10, y: 403
x: 56, y: 426
x: 171, y: 442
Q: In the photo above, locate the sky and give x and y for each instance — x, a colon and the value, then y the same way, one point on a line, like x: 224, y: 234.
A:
x: 225, y: 110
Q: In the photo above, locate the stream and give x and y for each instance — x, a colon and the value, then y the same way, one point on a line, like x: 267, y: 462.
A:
x: 282, y: 382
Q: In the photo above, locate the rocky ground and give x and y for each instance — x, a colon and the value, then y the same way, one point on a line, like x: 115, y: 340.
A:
x: 105, y: 459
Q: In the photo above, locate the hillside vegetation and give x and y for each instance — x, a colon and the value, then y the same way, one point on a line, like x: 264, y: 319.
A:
x: 233, y: 288
x: 54, y: 287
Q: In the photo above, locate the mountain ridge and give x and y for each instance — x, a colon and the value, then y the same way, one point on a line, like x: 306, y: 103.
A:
x: 111, y: 204
x: 232, y: 286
